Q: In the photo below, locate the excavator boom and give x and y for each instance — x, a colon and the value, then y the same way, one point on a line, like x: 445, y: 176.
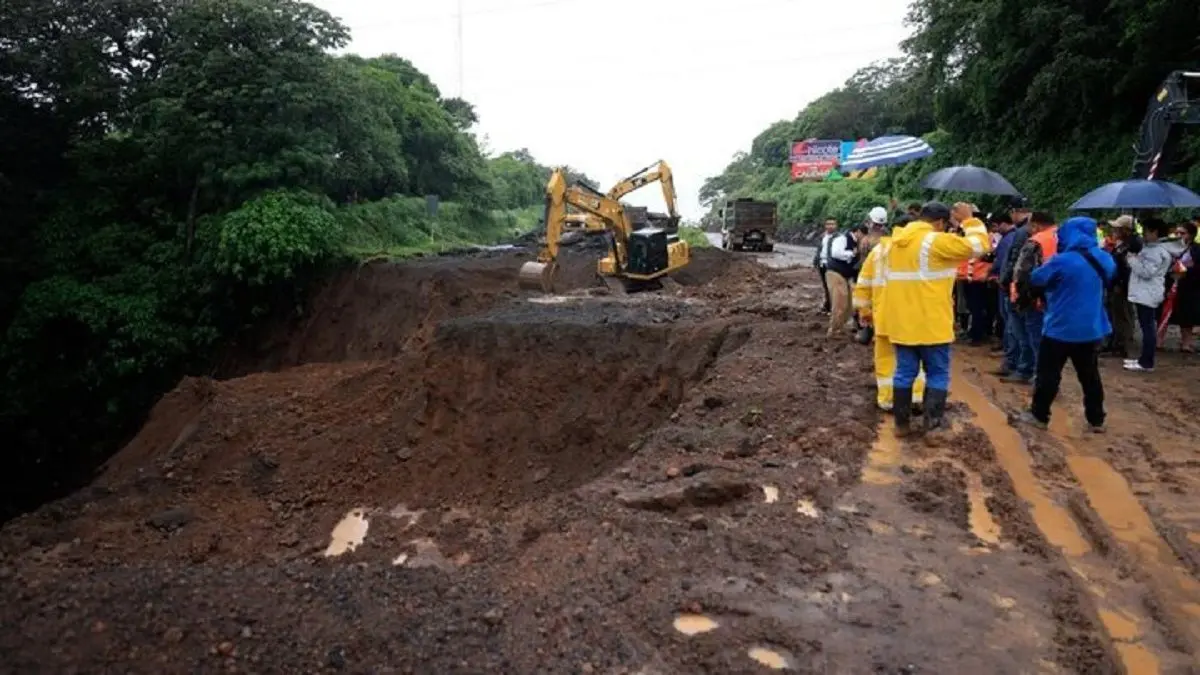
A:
x: 1177, y: 101
x: 660, y: 172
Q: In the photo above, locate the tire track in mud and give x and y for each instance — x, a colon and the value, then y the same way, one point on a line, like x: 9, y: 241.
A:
x: 1119, y: 565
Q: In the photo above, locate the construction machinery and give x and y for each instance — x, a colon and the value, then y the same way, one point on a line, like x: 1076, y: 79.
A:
x: 1171, y: 104
x: 748, y: 225
x: 636, y: 260
x: 660, y: 172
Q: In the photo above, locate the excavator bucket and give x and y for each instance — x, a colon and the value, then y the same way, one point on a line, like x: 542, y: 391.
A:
x: 536, y: 276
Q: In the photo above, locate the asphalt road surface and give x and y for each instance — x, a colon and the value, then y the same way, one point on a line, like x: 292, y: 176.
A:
x: 783, y: 257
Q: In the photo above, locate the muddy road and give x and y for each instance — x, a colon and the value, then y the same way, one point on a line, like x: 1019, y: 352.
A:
x: 433, y: 472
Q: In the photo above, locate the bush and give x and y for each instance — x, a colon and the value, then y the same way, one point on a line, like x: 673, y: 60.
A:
x: 269, y: 238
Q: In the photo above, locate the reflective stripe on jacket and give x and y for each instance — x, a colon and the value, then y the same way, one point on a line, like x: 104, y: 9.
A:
x: 872, y: 282
x: 921, y: 268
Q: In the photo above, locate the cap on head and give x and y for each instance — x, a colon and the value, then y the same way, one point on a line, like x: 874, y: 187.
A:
x: 1123, y: 223
x: 935, y: 211
x: 878, y: 216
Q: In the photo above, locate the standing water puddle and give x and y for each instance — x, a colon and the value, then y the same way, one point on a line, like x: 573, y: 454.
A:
x: 348, y: 534
x: 886, y: 457
x: 769, y: 658
x: 694, y: 624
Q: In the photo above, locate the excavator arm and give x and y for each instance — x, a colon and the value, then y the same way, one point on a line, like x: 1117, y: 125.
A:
x: 1172, y: 104
x: 591, y: 202
x: 660, y: 172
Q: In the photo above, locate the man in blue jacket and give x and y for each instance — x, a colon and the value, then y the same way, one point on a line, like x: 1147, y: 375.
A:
x: 1073, y: 284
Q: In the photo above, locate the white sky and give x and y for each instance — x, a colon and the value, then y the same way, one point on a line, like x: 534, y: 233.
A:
x: 610, y: 86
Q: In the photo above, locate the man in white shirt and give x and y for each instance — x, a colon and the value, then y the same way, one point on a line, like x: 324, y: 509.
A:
x: 821, y: 259
x: 842, y: 265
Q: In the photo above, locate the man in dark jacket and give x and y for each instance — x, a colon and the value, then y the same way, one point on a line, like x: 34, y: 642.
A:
x: 1120, y: 311
x: 1073, y: 283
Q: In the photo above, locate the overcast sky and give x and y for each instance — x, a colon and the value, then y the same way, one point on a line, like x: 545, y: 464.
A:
x: 610, y: 86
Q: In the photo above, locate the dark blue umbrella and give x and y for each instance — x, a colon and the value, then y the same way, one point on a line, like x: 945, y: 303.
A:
x: 887, y: 151
x: 1138, y: 194
x: 970, y: 179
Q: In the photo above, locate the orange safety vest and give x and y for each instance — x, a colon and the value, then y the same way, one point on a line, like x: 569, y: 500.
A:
x: 974, y: 270
x: 1047, y: 239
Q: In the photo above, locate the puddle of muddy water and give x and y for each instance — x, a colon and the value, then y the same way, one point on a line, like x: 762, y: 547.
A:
x: 769, y: 658
x: 1058, y: 527
x: 886, y: 456
x: 348, y: 534
x: 694, y: 624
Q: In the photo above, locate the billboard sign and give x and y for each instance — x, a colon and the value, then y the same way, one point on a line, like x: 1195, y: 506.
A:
x: 814, y: 159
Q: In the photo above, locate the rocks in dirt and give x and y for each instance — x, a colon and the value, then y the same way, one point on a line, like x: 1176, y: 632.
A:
x: 171, y: 519
x: 711, y: 489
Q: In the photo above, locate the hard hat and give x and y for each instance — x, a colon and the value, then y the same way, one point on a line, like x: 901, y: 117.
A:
x: 879, y: 215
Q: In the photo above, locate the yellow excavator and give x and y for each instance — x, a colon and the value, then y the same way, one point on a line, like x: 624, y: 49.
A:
x: 660, y: 172
x: 636, y: 260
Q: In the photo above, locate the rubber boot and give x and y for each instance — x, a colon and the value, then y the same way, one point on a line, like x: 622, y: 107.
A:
x: 902, y: 411
x: 935, y: 409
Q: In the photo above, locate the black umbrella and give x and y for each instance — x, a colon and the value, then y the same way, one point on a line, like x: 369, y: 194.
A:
x: 970, y: 179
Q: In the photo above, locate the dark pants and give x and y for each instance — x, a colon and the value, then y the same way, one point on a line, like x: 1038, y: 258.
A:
x: 977, y: 307
x: 1148, y: 319
x: 1120, y: 312
x: 994, y: 311
x: 1084, y: 357
x: 825, y: 287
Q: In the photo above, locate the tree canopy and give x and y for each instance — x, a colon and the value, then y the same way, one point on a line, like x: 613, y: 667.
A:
x: 170, y: 169
x: 1049, y: 92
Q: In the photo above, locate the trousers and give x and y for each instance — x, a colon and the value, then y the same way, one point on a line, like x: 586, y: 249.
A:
x: 1084, y: 357
x: 839, y: 296
x: 935, y: 359
x: 885, y: 372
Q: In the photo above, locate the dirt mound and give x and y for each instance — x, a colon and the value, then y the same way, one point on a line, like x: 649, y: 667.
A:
x: 381, y: 310
x: 493, y: 412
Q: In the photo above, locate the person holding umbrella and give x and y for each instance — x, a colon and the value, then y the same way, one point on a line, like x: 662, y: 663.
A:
x: 919, y: 312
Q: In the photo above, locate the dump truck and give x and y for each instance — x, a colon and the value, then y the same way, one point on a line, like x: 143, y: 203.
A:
x: 748, y: 225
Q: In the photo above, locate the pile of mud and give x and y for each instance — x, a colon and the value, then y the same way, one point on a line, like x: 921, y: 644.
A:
x: 381, y: 310
x: 492, y: 412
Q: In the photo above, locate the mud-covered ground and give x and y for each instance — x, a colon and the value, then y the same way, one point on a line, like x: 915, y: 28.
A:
x: 433, y: 472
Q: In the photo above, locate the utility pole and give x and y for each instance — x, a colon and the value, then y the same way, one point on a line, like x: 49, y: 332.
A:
x: 460, y: 50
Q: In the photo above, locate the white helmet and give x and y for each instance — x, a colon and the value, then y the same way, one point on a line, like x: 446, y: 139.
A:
x: 879, y: 215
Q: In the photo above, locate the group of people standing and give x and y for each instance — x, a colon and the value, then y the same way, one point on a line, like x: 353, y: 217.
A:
x: 1053, y: 293
x: 903, y: 289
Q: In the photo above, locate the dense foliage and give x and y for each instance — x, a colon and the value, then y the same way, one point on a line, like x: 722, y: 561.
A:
x: 1050, y: 93
x: 173, y: 169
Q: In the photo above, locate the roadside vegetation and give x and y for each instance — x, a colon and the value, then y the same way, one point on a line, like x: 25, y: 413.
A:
x: 694, y: 236
x: 1046, y: 93
x: 175, y: 170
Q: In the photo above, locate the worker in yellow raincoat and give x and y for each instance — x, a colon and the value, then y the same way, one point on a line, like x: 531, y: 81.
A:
x: 868, y: 300
x: 918, y: 311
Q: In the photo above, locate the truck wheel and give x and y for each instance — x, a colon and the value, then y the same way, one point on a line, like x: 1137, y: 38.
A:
x: 737, y: 247
x: 769, y: 248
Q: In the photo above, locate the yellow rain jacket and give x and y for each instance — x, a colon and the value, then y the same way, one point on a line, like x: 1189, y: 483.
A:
x: 868, y: 299
x: 868, y: 291
x: 921, y: 268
